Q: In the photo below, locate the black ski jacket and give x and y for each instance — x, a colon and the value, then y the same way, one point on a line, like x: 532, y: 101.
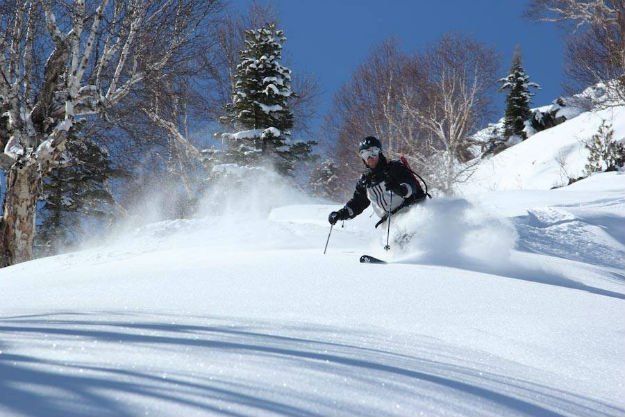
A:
x: 372, y: 189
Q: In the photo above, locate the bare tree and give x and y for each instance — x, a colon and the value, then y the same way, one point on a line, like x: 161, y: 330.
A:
x: 448, y: 119
x: 98, y: 52
x: 596, y: 47
x: 368, y: 105
x: 424, y: 106
x: 461, y: 74
x: 580, y: 12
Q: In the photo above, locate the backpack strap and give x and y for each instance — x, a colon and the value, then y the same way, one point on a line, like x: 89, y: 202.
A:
x: 404, y: 161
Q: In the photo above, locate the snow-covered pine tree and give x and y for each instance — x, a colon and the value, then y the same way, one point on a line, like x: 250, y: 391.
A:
x: 518, y: 85
x: 259, y: 111
x: 324, y: 181
x: 606, y: 154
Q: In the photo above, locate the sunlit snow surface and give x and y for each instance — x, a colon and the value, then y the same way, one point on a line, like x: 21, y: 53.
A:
x: 506, y: 303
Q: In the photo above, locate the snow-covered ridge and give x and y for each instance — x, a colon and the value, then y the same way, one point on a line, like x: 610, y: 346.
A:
x: 593, y: 98
x: 549, y: 158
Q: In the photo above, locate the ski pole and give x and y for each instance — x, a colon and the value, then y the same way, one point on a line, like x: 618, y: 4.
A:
x: 328, y: 241
x: 388, y: 228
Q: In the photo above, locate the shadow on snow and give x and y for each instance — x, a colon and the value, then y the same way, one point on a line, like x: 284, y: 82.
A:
x: 64, y: 384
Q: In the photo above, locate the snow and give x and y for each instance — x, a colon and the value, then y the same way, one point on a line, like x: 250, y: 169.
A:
x: 547, y: 159
x: 273, y: 80
x: 273, y: 89
x: 269, y: 109
x: 271, y: 132
x: 507, y: 301
x: 13, y: 148
x: 246, y: 134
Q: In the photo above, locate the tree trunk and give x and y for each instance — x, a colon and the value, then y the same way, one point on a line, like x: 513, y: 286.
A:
x: 18, y: 221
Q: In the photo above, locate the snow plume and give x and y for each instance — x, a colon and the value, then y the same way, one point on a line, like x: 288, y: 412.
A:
x: 248, y: 192
x: 455, y: 233
x: 240, y: 203
x: 452, y: 232
x: 231, y: 214
x: 156, y: 203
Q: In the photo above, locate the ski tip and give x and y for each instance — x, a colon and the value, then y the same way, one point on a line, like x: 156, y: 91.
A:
x: 367, y: 259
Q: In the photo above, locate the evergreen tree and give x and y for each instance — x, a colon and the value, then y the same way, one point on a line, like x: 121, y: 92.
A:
x: 518, y: 100
x: 605, y: 153
x: 324, y: 180
x: 75, y: 194
x: 259, y: 111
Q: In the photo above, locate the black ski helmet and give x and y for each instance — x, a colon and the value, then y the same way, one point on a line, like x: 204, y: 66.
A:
x: 370, y: 142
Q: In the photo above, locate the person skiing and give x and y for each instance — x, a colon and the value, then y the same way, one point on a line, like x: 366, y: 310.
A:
x: 389, y: 186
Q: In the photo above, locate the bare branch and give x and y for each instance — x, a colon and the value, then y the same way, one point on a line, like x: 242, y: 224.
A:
x: 54, y: 30
x: 596, y: 49
x: 16, y: 38
x: 28, y: 54
x: 174, y: 132
x: 91, y: 39
x: 584, y: 12
x: 135, y: 17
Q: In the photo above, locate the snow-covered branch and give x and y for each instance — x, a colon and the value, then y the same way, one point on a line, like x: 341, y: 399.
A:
x: 98, y: 51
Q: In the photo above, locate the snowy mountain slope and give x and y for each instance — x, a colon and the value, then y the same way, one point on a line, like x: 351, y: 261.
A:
x: 506, y: 301
x: 243, y: 315
x: 580, y: 222
x: 548, y: 159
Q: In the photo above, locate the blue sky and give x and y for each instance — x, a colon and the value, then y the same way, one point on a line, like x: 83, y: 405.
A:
x: 331, y: 38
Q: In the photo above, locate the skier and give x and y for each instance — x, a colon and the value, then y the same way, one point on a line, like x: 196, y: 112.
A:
x: 389, y: 186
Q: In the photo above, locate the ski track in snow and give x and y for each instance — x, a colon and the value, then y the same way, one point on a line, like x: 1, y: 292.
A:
x: 569, y: 237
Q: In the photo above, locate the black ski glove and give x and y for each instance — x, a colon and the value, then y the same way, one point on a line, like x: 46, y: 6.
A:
x: 335, y: 216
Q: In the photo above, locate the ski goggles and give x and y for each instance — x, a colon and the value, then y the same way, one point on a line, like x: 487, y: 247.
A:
x: 371, y: 152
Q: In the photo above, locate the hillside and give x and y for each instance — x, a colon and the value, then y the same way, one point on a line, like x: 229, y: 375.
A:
x: 547, y: 159
x: 507, y: 301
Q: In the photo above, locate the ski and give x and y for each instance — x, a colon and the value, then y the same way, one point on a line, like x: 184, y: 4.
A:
x: 367, y: 259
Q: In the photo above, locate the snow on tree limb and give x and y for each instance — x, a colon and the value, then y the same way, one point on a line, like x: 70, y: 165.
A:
x: 94, y: 61
x: 46, y: 150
